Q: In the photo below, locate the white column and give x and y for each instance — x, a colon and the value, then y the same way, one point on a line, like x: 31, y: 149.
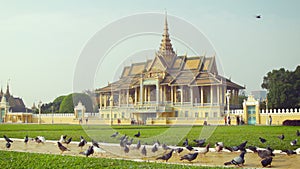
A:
x: 192, y: 95
x: 218, y: 95
x: 127, y: 97
x: 211, y: 95
x: 141, y: 91
x: 181, y: 94
x: 172, y: 95
x: 201, y: 95
x: 135, y: 96
x: 100, y: 99
x: 165, y: 93
x: 157, y: 91
x: 161, y: 93
x: 119, y: 98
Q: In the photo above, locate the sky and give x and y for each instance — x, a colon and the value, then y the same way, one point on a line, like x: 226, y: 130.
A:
x: 42, y: 41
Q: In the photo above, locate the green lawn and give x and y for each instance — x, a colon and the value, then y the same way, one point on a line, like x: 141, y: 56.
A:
x: 172, y: 135
x: 32, y: 160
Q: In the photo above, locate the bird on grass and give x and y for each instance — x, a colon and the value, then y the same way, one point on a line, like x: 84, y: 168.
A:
x: 190, y: 148
x: 200, y: 142
x: 40, y: 139
x: 190, y: 157
x: 294, y: 142
x: 266, y: 161
x: 7, y: 139
x: 237, y: 161
x: 61, y: 147
x: 88, y: 152
x: 138, y: 134
x: 26, y: 139
x: 154, y: 148
x: 166, y: 157
x: 233, y: 148
x: 115, y: 134
x: 95, y: 143
x: 281, y: 137
x: 144, y: 151
x: 242, y: 146
x: 129, y: 142
x: 123, y: 137
x: 262, y: 153
x: 186, y: 142
x: 262, y: 140
x: 297, y: 133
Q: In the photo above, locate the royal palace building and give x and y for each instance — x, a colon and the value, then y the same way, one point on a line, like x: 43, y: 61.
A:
x: 168, y: 86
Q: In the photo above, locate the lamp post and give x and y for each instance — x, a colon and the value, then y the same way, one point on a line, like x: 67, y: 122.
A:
x: 228, y: 98
x: 40, y: 105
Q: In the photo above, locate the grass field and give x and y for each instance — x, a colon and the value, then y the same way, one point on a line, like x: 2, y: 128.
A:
x: 172, y: 135
x: 33, y: 160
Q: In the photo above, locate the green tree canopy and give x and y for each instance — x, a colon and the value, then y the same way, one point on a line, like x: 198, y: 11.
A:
x: 283, y: 87
x: 69, y: 102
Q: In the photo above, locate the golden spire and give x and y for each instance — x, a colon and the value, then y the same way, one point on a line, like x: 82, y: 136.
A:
x: 166, y: 49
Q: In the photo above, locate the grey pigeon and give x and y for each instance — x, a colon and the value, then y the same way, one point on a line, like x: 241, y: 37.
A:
x: 262, y: 140
x: 289, y: 152
x: 95, y: 143
x: 179, y: 150
x: 200, y: 142
x: 88, y: 152
x: 239, y: 160
x: 138, y: 145
x: 297, y: 133
x: 7, y: 145
x: 138, y: 134
x: 190, y: 157
x: 115, y: 134
x: 186, y: 142
x: 144, y: 151
x: 154, y: 148
x: 266, y: 162
x: 61, y: 147
x: 26, y: 139
x: 281, y: 137
x: 165, y: 147
x: 7, y: 139
x: 166, y: 157
x: 126, y: 149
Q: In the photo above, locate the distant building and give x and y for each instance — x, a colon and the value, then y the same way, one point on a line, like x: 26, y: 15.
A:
x: 259, y: 95
x: 16, y: 104
x: 168, y: 86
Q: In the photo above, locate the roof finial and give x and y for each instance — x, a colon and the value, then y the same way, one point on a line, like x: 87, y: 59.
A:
x: 7, y: 88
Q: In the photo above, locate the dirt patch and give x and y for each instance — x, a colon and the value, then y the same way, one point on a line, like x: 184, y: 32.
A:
x: 115, y: 151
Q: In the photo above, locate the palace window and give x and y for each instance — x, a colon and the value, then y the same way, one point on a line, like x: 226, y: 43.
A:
x: 186, y: 114
x: 215, y: 114
x: 206, y: 114
x: 196, y: 114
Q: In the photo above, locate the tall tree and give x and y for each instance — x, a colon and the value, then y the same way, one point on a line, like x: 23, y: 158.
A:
x: 283, y: 87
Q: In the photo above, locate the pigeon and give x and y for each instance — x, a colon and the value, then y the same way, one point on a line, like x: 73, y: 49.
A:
x: 204, y: 150
x: 88, y: 152
x: 165, y: 147
x: 294, y: 142
x: 190, y: 157
x: 262, y: 153
x: 186, y: 142
x: 7, y: 139
x: 129, y: 142
x: 63, y: 138
x: 242, y: 146
x: 289, y: 152
x: 26, y: 139
x: 61, y: 147
x: 266, y: 161
x: 95, y: 144
x: 123, y: 142
x: 123, y: 137
x: 157, y: 143
x: 115, y: 134
x: 166, y: 156
x: 69, y: 140
x: 281, y: 137
x: 138, y: 134
x: 262, y: 140
x: 233, y: 148
x: 126, y: 149
x: 190, y: 148
x: 200, y: 143
x: 138, y: 145
x: 40, y: 139
x: 7, y: 145
x: 179, y: 150
x: 297, y: 133
x: 219, y: 146
x: 82, y: 142
x: 154, y: 148
x: 239, y: 160
x: 144, y: 151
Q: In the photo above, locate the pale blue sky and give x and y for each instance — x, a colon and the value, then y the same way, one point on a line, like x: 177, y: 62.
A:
x: 42, y: 40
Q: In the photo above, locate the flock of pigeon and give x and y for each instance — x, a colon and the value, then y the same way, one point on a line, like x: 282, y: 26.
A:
x: 265, y: 154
